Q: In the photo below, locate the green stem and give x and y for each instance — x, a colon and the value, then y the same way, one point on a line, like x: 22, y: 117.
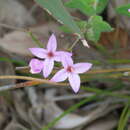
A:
x: 76, y: 41
x: 35, y: 39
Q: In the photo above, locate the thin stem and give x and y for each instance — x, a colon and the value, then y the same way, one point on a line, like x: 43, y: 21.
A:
x: 108, y: 70
x: 89, y: 72
x: 35, y: 39
x: 36, y: 81
x: 13, y: 27
x: 95, y: 4
x: 76, y: 41
x: 19, y: 85
x: 33, y: 79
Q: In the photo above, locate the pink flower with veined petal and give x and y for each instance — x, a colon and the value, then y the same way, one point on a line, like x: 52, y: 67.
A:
x: 50, y: 55
x: 71, y: 72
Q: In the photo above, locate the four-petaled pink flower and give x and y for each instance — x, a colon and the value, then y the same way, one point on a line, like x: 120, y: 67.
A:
x: 71, y: 72
x: 128, y: 10
x: 50, y: 55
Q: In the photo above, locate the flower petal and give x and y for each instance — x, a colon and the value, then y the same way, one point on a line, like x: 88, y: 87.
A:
x: 60, y: 76
x: 52, y: 43
x: 65, y: 53
x: 39, y: 52
x: 74, y: 80
x: 59, y: 54
x: 66, y: 61
x: 48, y: 67
x: 82, y: 67
x: 36, y: 66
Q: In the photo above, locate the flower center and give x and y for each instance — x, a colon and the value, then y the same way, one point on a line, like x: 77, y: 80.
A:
x: 70, y: 69
x: 50, y: 54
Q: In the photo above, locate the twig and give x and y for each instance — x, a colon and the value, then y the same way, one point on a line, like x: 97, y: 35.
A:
x: 22, y: 68
x: 13, y: 27
x: 36, y: 80
x: 96, y: 71
x: 21, y: 85
x: 108, y: 70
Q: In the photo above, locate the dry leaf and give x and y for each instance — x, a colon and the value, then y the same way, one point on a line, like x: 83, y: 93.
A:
x: 116, y: 43
x: 73, y: 121
x: 120, y: 21
x: 13, y: 13
x: 106, y: 123
x: 118, y: 36
x: 19, y: 42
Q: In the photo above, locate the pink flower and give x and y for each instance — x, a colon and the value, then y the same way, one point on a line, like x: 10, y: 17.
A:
x: 50, y: 55
x: 128, y: 10
x: 71, y: 72
x: 36, y: 66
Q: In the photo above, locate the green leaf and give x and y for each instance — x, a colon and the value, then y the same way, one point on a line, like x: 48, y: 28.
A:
x: 65, y: 29
x: 123, y: 10
x: 57, y: 10
x: 81, y: 24
x: 96, y: 26
x: 88, y: 7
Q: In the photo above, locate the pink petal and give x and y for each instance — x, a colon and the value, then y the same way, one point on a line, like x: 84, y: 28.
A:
x: 74, y: 80
x: 57, y: 56
x: 36, y: 66
x: 60, y: 54
x: 60, y: 76
x: 48, y: 67
x: 39, y: 52
x: 52, y: 43
x: 82, y: 67
x: 66, y: 61
x: 65, y: 53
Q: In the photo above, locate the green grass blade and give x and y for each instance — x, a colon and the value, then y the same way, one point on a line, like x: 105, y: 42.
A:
x: 17, y: 62
x: 105, y: 92
x: 124, y: 117
x: 71, y: 109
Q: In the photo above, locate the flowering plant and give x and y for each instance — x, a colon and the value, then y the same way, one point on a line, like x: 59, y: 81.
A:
x: 86, y: 29
x: 50, y: 55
